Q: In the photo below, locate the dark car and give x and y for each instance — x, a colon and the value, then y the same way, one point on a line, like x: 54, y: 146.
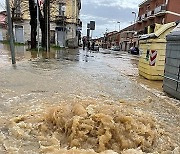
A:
x: 134, y: 50
x: 116, y: 48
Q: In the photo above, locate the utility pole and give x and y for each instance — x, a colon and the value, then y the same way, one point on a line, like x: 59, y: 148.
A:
x: 63, y: 9
x: 10, y: 31
x: 38, y: 24
x: 47, y: 24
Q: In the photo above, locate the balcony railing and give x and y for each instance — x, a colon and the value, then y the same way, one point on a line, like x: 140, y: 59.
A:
x: 144, y: 17
x: 160, y: 10
x: 139, y: 20
x: 150, y: 14
x: 79, y: 23
x: 60, y: 19
x: 17, y: 16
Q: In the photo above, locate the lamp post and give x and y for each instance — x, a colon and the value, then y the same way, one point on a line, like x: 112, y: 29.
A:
x: 135, y: 16
x: 119, y: 25
x: 63, y: 9
x: 10, y: 31
x: 38, y: 25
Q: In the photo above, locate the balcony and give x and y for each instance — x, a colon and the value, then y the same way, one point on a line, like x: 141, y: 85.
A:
x: 139, y: 20
x: 60, y: 19
x: 144, y: 17
x: 150, y: 15
x: 79, y: 23
x: 160, y: 10
x: 17, y: 17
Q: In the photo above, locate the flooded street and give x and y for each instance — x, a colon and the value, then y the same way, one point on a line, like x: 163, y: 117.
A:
x: 92, y: 101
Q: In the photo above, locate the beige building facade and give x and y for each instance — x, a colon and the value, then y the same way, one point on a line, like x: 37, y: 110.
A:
x: 65, y: 25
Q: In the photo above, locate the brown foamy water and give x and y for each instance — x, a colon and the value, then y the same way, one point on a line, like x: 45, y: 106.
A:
x: 86, y: 127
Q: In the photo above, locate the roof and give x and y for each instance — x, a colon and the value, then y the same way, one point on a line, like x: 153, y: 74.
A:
x: 144, y: 2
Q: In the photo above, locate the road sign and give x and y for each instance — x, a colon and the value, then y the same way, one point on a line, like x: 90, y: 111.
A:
x: 92, y: 25
x: 153, y: 56
x: 88, y: 25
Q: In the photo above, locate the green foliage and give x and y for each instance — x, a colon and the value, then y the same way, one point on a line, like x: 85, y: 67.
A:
x: 36, y: 49
x: 56, y: 47
x: 15, y: 43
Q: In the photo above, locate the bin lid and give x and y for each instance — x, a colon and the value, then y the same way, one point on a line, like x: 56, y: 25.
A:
x: 158, y: 32
x: 175, y: 34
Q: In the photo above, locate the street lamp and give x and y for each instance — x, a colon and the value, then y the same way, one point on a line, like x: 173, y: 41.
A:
x: 119, y: 25
x: 134, y: 17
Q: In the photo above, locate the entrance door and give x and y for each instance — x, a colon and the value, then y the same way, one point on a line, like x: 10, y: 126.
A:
x: 19, y: 35
x: 52, y: 37
x: 60, y: 38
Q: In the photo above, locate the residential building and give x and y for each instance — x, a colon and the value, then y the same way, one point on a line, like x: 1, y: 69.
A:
x: 152, y: 12
x: 65, y: 25
x: 126, y: 38
x: 3, y: 26
x: 110, y: 39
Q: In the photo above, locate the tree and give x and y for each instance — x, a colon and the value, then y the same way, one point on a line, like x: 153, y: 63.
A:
x: 33, y: 22
x: 46, y: 10
x: 43, y: 29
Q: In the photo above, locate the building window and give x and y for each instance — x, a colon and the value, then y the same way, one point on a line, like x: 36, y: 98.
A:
x: 17, y: 6
x: 152, y: 28
x: 61, y: 9
x: 148, y: 8
x: 145, y: 30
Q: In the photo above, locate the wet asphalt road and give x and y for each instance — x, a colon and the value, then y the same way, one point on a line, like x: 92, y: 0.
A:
x: 72, y: 73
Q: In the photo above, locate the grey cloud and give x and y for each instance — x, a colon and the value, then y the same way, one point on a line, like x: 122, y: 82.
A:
x: 106, y: 13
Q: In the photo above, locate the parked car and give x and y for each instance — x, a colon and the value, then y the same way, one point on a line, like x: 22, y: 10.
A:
x: 134, y: 50
x: 116, y: 48
x: 112, y: 48
x: 96, y: 47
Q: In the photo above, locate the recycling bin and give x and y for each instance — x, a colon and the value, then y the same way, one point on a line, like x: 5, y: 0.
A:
x: 152, y: 52
x: 171, y: 83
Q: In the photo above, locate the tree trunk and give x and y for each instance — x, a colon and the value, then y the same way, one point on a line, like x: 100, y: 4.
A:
x: 47, y: 24
x: 33, y: 23
x: 43, y: 30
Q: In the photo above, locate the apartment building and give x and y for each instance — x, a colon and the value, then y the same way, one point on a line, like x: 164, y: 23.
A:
x: 3, y: 26
x: 152, y: 12
x: 65, y: 25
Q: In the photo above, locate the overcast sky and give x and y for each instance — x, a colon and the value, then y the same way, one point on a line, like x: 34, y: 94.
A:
x: 106, y: 13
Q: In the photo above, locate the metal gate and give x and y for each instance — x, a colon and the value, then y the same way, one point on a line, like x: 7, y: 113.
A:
x: 60, y: 36
x: 52, y: 37
x: 19, y: 34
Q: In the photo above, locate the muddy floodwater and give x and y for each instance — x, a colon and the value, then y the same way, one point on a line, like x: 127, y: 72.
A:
x: 79, y: 102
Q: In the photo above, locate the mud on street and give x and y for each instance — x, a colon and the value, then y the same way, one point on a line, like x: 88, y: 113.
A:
x: 75, y: 101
